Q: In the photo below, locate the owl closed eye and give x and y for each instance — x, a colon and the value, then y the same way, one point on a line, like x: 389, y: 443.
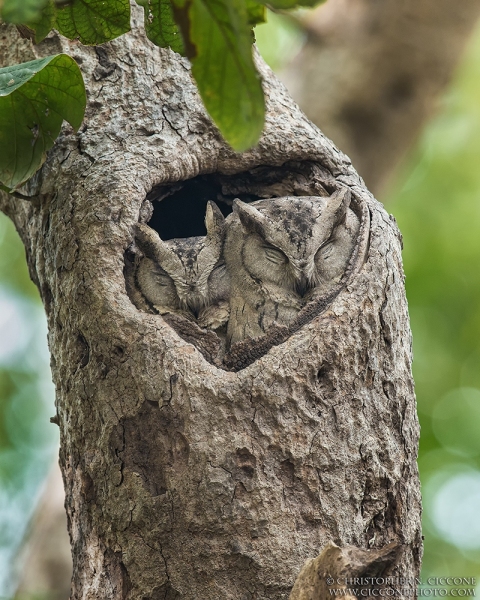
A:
x: 156, y: 285
x: 274, y: 255
x: 331, y: 260
x: 162, y: 278
x: 325, y: 251
x: 186, y: 276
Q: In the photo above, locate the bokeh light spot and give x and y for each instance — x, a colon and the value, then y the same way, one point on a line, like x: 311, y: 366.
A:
x: 455, y: 511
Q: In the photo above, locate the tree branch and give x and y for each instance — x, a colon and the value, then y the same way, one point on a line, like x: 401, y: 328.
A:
x: 371, y: 73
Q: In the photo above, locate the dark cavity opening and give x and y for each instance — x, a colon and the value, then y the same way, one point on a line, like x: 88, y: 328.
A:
x: 179, y: 210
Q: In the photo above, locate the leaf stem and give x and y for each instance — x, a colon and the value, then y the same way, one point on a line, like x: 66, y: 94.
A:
x: 4, y: 188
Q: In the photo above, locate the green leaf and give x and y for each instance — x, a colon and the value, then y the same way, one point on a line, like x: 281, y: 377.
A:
x: 160, y: 25
x: 255, y: 12
x: 21, y: 11
x: 223, y: 68
x: 44, y: 23
x: 93, y: 21
x: 35, y: 97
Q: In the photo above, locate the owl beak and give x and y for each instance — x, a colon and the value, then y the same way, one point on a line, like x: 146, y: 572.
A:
x: 304, y: 280
x: 194, y: 307
x: 302, y: 285
x: 194, y: 297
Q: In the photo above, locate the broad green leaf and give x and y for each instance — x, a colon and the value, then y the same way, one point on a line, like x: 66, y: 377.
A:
x: 255, y: 12
x: 35, y: 97
x: 93, y: 21
x: 44, y: 23
x: 21, y: 11
x: 224, y: 71
x: 160, y: 26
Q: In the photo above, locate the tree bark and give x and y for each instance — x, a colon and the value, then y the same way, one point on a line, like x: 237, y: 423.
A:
x: 185, y: 479
x: 371, y: 72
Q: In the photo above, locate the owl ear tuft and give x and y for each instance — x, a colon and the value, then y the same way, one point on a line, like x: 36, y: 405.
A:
x: 150, y: 243
x: 214, y: 221
x: 252, y: 219
x: 336, y: 208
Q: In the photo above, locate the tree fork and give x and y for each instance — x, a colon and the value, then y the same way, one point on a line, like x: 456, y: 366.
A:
x: 182, y: 479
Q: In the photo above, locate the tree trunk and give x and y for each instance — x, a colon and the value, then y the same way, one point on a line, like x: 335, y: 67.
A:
x: 184, y: 478
x: 371, y: 72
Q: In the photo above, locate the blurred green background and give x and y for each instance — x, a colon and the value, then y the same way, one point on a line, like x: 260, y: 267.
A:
x: 436, y: 200
x: 28, y: 441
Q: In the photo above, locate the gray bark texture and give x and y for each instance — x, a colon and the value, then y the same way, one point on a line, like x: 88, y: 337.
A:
x: 185, y: 479
x: 370, y: 73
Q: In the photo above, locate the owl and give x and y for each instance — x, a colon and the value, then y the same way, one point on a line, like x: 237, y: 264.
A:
x: 186, y: 276
x: 280, y: 254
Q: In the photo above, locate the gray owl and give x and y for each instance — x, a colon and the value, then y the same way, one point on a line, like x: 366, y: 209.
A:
x: 186, y: 276
x: 280, y: 254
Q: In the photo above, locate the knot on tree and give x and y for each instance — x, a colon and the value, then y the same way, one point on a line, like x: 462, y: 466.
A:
x: 346, y: 571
